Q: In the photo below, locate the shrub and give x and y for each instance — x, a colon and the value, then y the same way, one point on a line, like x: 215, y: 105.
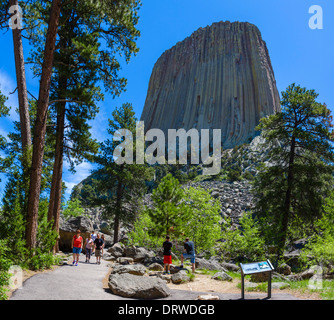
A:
x: 5, y: 264
x: 244, y: 244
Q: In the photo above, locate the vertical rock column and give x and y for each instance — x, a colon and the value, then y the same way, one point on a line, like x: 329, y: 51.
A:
x: 220, y: 77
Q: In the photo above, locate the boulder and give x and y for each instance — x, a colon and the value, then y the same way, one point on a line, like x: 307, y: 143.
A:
x: 222, y: 276
x: 148, y: 261
x: 116, y: 250
x: 132, y: 286
x: 230, y: 266
x: 124, y: 260
x: 108, y: 241
x: 284, y: 269
x: 68, y: 228
x: 139, y: 254
x: 108, y: 257
x: 175, y: 269
x: 209, y: 265
x: 156, y: 267
x: 307, y: 274
x: 207, y: 297
x: 135, y: 269
x: 165, y: 277
x: 180, y: 277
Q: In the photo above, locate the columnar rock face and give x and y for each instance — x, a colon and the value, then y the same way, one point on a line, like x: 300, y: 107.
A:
x: 220, y: 77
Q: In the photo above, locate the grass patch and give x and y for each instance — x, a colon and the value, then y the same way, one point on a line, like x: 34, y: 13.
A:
x: 191, y: 277
x: 326, y: 293
x: 261, y: 287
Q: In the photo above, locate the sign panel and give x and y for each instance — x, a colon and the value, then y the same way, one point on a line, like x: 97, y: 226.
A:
x: 256, y: 267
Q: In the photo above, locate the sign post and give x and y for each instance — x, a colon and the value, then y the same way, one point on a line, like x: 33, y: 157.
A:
x: 256, y: 267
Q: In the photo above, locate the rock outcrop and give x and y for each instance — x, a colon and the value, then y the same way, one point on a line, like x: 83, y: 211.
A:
x: 220, y: 77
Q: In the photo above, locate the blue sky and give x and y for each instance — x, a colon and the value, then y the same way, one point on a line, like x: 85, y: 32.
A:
x: 298, y: 54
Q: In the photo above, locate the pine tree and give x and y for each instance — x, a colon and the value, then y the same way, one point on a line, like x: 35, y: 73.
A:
x: 81, y: 62
x: 120, y: 186
x: 169, y: 213
x: 297, y: 180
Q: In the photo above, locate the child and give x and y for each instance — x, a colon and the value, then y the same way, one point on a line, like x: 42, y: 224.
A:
x: 167, y: 245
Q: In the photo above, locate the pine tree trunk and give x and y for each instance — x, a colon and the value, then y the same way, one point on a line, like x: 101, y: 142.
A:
x: 57, y: 175
x: 116, y: 229
x: 118, y: 209
x: 40, y: 126
x: 21, y: 87
x: 287, y: 203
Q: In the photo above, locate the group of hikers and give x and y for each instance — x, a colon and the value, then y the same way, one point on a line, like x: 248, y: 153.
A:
x: 189, y: 253
x: 94, y: 244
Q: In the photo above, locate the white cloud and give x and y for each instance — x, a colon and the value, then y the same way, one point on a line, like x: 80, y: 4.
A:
x: 82, y: 171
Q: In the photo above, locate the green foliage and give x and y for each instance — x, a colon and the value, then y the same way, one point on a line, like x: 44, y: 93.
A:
x: 320, y: 246
x: 41, y: 261
x: 73, y: 208
x: 234, y: 174
x: 191, y: 212
x: 3, y: 112
x: 140, y: 234
x: 121, y: 185
x: 293, y: 187
x: 5, y: 264
x: 244, y: 244
x: 169, y: 213
x: 203, y: 224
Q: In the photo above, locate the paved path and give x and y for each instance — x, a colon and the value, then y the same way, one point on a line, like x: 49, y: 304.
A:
x: 85, y: 281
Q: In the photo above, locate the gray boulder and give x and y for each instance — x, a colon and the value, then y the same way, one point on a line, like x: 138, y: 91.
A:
x: 124, y: 260
x: 131, y: 286
x: 284, y: 269
x: 135, y: 269
x: 180, y: 277
x: 209, y: 265
x: 116, y: 250
x: 307, y: 274
x: 230, y: 266
x: 222, y: 276
x: 148, y: 261
x: 156, y: 267
x: 108, y: 257
x: 139, y: 254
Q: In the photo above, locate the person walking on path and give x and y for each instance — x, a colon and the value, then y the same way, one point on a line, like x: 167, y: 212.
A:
x: 89, y: 248
x: 189, y: 249
x: 99, y: 244
x: 104, y: 242
x: 94, y: 236
x: 77, y: 243
x: 167, y: 245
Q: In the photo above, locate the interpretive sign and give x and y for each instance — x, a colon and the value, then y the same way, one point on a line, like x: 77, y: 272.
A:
x: 256, y: 267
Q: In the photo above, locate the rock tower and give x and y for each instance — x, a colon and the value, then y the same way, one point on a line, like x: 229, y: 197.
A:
x: 220, y: 77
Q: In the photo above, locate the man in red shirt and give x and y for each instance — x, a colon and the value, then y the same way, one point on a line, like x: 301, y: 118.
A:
x: 77, y: 242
